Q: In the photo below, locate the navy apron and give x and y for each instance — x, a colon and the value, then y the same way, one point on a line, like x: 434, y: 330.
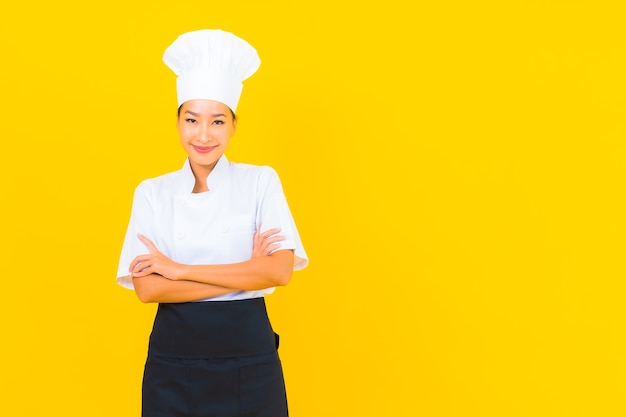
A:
x: 213, y: 359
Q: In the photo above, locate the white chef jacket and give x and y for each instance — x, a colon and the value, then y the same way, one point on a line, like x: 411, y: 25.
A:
x: 214, y: 227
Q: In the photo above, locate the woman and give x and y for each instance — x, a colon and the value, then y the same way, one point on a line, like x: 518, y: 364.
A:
x: 203, y: 242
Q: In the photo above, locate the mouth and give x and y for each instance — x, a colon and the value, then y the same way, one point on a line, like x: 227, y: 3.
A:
x: 203, y: 149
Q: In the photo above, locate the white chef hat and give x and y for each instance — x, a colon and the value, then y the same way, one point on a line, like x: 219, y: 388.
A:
x: 211, y: 64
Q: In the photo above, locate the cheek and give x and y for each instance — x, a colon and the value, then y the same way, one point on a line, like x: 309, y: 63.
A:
x: 184, y: 132
x: 228, y: 133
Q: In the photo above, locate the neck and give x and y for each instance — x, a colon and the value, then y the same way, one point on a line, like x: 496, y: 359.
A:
x: 201, y: 173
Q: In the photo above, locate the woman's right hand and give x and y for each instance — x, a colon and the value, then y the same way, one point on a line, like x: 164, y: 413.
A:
x: 266, y: 242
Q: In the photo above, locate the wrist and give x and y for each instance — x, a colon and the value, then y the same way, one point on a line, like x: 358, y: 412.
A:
x: 182, y: 272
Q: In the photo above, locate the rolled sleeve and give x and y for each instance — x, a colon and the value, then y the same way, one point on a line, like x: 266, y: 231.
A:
x: 274, y: 212
x: 139, y: 223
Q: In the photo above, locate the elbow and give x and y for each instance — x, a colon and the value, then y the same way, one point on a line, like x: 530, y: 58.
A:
x: 284, y: 268
x: 144, y: 292
x: 283, y: 278
x: 144, y: 298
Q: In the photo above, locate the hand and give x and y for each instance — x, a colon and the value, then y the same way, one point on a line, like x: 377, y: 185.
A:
x: 266, y: 242
x: 153, y: 263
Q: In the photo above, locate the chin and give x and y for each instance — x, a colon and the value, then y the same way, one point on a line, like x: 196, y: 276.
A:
x: 204, y: 160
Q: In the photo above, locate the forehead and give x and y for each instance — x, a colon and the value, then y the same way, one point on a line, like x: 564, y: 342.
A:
x: 205, y: 107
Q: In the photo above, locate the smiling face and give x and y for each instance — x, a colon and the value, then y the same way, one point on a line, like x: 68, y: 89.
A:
x: 205, y: 128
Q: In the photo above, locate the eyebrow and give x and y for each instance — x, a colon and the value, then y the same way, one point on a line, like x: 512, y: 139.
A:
x: 197, y: 114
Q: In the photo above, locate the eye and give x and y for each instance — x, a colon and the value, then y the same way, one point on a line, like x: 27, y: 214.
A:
x: 190, y: 120
x: 218, y: 122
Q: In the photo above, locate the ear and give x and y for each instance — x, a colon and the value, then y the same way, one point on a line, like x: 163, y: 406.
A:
x: 235, y: 122
x: 179, y: 113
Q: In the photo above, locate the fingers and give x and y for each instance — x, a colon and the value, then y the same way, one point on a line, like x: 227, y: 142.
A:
x: 264, y: 243
x: 136, y: 262
x: 274, y: 239
x: 142, y: 266
x: 143, y: 273
x: 151, y: 247
x: 267, y: 240
x: 269, y: 244
x: 268, y: 233
x: 271, y: 248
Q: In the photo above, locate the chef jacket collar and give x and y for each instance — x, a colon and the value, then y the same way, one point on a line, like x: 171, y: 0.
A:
x: 215, y: 178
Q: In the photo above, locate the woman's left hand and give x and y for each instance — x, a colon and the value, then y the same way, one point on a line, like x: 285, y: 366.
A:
x: 154, y: 263
x: 264, y: 243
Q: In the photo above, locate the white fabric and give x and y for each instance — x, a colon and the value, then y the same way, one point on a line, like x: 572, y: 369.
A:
x: 211, y: 64
x: 214, y: 227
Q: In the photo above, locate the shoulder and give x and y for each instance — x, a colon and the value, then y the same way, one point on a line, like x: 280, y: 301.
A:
x: 258, y: 179
x: 161, y: 183
x: 253, y: 172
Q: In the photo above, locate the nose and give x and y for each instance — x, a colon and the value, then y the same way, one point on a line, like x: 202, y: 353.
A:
x: 205, y: 134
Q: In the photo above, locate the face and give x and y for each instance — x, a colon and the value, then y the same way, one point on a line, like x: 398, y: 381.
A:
x: 205, y: 128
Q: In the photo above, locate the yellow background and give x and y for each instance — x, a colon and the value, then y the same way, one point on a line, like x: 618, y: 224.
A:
x: 456, y: 170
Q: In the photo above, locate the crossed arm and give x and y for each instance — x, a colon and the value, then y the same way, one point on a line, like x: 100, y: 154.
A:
x: 158, y: 279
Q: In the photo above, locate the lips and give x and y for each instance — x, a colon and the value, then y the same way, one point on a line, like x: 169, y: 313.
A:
x: 203, y: 149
